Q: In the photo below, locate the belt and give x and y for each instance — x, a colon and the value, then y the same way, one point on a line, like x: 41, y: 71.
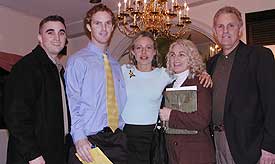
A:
x: 218, y: 128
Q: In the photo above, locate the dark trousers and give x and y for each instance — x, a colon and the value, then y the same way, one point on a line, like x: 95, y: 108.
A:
x: 223, y: 154
x: 139, y: 138
x: 112, y: 144
x: 68, y: 144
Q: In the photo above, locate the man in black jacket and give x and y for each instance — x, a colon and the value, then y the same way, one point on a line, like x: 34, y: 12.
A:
x: 35, y: 103
x: 243, y: 95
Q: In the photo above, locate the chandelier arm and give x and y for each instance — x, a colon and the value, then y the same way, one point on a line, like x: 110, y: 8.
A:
x: 126, y: 31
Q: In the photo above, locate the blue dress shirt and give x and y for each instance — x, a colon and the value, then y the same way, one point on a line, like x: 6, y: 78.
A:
x: 86, y: 91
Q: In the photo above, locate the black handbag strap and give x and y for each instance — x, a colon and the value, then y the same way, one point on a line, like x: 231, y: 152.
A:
x: 160, y: 124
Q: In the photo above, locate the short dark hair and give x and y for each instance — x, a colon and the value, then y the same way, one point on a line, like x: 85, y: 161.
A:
x: 92, y: 11
x: 54, y: 18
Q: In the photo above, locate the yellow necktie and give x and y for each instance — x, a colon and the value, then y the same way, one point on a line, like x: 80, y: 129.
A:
x: 112, y: 109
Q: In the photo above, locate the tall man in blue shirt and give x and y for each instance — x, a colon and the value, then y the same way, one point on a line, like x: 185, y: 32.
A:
x: 86, y: 89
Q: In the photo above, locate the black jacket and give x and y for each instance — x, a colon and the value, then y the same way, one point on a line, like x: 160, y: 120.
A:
x: 3, y: 76
x: 33, y: 110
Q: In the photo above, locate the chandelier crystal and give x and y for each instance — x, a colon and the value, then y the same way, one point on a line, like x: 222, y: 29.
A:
x: 164, y: 18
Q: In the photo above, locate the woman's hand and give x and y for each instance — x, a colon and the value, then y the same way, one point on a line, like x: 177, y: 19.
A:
x: 205, y: 80
x: 165, y: 114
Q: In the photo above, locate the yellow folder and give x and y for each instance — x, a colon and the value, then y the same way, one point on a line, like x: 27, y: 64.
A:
x: 98, y: 156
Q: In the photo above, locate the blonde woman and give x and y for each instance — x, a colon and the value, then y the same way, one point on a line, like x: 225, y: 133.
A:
x: 186, y: 62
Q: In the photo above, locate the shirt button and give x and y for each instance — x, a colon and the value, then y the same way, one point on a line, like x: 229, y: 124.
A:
x: 175, y: 143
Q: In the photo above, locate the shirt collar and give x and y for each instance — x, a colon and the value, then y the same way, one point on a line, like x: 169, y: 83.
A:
x: 92, y: 47
x: 52, y: 59
x: 231, y: 54
x: 180, y: 78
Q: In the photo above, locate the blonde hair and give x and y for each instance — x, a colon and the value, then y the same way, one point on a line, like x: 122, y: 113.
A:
x: 195, y: 61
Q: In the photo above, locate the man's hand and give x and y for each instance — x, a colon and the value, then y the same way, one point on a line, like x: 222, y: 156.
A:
x: 267, y: 158
x: 164, y: 114
x: 206, y: 80
x: 83, y: 147
x: 38, y: 160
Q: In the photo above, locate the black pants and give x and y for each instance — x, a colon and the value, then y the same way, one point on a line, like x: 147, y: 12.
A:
x: 68, y: 144
x: 139, y: 138
x: 113, y: 145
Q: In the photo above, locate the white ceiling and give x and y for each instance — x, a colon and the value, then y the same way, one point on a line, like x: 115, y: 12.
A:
x: 73, y: 11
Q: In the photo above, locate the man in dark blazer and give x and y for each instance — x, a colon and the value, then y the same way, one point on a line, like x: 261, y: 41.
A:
x: 35, y: 109
x: 243, y: 95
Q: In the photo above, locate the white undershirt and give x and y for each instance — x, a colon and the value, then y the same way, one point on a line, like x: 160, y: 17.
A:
x: 180, y: 78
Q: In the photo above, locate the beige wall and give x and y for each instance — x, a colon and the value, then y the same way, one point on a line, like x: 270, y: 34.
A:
x: 205, y: 13
x: 18, y: 32
x: 4, y: 136
x: 77, y: 43
x: 117, y: 46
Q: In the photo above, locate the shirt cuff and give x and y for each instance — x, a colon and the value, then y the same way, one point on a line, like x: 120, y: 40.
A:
x: 78, y: 135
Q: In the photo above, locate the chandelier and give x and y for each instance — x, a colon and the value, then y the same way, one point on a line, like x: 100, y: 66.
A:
x: 163, y: 18
x: 214, y: 49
